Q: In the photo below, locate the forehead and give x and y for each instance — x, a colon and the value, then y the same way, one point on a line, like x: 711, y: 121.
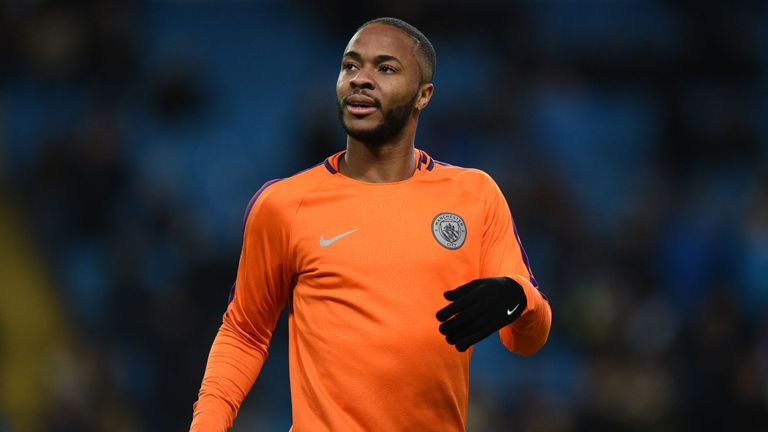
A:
x: 377, y: 39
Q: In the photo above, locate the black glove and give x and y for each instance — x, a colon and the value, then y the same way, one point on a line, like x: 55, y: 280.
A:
x: 479, y: 309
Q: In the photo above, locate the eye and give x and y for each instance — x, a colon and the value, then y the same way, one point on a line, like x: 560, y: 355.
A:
x: 348, y: 66
x: 387, y: 68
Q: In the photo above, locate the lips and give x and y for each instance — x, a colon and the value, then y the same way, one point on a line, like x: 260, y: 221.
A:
x: 360, y: 104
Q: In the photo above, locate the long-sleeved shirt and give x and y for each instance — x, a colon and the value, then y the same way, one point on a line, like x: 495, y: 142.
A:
x: 362, y: 268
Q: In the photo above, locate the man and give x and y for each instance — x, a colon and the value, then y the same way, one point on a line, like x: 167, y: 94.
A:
x: 392, y: 266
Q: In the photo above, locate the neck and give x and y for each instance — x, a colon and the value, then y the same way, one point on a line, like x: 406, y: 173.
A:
x: 383, y: 163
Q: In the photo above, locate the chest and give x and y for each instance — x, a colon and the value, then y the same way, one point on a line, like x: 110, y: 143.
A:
x: 388, y: 236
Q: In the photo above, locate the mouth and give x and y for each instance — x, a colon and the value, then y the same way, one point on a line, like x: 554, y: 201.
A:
x: 360, y: 105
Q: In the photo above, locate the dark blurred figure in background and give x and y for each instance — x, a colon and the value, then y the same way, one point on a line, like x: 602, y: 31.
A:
x: 631, y: 137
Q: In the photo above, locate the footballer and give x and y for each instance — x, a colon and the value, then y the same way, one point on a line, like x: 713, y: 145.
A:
x: 392, y: 266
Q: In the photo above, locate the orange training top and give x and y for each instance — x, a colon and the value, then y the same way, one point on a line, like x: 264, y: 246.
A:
x: 362, y: 268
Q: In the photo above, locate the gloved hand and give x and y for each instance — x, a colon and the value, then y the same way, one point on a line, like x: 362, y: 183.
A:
x: 479, y: 309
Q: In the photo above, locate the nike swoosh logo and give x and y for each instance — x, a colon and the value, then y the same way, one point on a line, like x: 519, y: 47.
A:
x: 510, y: 312
x: 330, y: 241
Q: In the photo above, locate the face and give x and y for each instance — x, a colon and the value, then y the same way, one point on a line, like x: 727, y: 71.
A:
x: 379, y: 84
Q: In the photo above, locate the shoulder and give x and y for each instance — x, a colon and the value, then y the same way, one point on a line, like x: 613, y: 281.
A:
x: 281, y: 197
x: 473, y: 178
x: 474, y: 182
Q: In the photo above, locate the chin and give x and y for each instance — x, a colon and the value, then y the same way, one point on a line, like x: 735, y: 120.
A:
x: 369, y: 136
x: 361, y: 127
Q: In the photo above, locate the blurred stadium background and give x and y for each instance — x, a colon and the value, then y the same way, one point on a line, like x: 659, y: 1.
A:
x: 631, y: 138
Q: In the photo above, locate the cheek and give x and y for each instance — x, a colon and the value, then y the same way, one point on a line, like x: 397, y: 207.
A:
x: 341, y: 85
x: 396, y: 94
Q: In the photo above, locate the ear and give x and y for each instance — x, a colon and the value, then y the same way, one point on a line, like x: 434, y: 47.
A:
x: 425, y: 94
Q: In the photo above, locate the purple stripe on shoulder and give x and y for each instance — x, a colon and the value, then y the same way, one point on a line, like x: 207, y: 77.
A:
x: 422, y: 160
x: 525, y: 257
x: 431, y: 165
x: 441, y: 163
x: 268, y: 184
x: 330, y: 167
x: 231, y: 293
x: 255, y: 197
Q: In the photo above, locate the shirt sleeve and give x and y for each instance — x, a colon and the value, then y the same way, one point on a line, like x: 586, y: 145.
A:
x: 503, y: 255
x: 241, y: 344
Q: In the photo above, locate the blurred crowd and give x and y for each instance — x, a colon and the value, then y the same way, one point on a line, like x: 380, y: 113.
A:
x: 630, y: 137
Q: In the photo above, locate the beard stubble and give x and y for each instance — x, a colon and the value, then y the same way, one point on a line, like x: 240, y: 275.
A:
x: 391, y: 125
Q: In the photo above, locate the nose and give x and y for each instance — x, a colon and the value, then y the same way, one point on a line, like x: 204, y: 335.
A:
x: 362, y: 80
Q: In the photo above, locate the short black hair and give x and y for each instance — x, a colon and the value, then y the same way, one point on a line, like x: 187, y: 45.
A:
x: 424, y: 47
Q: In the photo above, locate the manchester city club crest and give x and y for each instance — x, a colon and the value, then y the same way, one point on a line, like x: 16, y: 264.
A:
x: 449, y: 230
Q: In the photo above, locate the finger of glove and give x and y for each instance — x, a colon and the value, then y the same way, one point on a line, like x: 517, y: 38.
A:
x: 453, y: 308
x: 463, y: 290
x: 463, y: 343
x: 484, y: 324
x: 462, y: 320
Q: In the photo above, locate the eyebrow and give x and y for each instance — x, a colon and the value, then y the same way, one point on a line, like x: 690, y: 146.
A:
x: 381, y: 58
